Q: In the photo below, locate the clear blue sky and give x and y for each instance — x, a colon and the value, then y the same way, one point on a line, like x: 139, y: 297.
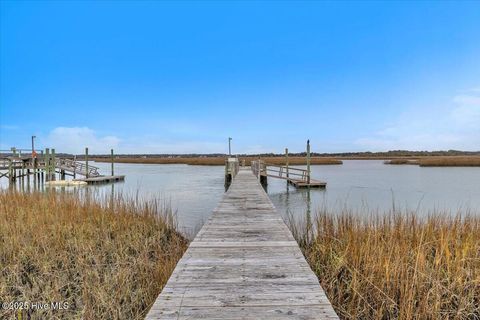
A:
x: 181, y: 77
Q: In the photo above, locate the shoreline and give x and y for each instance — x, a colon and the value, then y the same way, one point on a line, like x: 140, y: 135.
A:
x: 458, y: 161
x: 429, y: 161
x: 220, y: 161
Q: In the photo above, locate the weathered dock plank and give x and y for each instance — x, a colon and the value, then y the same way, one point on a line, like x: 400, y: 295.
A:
x: 243, y: 264
x: 102, y: 179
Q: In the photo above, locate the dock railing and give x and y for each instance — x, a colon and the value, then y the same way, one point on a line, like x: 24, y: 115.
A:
x: 278, y: 171
x: 77, y: 167
x: 258, y: 167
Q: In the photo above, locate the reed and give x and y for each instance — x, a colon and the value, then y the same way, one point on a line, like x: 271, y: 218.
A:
x: 107, y: 259
x: 437, y: 161
x: 401, y: 161
x: 220, y: 161
x: 395, y: 266
x: 473, y: 161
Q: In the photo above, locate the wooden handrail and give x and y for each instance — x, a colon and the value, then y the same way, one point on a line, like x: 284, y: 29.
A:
x: 280, y: 166
x: 278, y: 171
x: 77, y: 167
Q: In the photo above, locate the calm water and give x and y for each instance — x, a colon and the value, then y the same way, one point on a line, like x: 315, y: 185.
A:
x: 361, y: 186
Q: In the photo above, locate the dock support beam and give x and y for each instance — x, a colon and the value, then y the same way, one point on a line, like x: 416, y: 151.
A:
x: 308, y: 161
x: 11, y: 168
x: 34, y: 165
x: 52, y: 165
x: 86, y: 162
x: 286, y: 162
x: 113, y: 171
x: 263, y: 178
x: 232, y: 166
x: 11, y: 176
x: 47, y: 164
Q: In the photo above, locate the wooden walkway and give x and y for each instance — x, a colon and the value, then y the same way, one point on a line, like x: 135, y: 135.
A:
x: 243, y: 264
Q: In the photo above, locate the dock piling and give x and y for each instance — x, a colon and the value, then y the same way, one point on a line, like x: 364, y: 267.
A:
x: 86, y: 161
x: 113, y: 172
x: 47, y: 164
x: 11, y: 177
x: 52, y: 165
x: 286, y: 161
x: 308, y: 161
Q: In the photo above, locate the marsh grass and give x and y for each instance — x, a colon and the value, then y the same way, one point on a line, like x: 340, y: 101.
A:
x: 220, y: 161
x: 438, y: 161
x: 395, y: 266
x: 401, y: 161
x: 473, y: 161
x: 107, y: 259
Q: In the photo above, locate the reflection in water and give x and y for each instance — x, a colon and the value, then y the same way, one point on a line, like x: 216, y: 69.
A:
x: 360, y: 186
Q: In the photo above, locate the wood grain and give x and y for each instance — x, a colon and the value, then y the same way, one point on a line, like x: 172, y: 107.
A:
x: 243, y: 264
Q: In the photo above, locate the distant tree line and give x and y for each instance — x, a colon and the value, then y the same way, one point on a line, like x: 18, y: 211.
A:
x: 367, y: 154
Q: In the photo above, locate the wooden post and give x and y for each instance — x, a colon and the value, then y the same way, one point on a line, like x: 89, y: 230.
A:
x: 13, y: 173
x: 42, y: 172
x: 263, y: 179
x: 10, y: 171
x: 113, y: 172
x: 39, y: 170
x: 308, y: 217
x: 47, y: 164
x: 34, y: 165
x: 34, y: 160
x: 286, y: 162
x: 308, y: 162
x: 53, y: 164
x: 258, y: 168
x: 75, y: 167
x: 86, y: 162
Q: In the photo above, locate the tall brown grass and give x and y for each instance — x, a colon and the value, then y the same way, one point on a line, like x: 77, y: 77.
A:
x: 396, y: 266
x: 473, y: 161
x: 220, y: 161
x: 401, y: 161
x: 107, y: 260
x: 437, y: 161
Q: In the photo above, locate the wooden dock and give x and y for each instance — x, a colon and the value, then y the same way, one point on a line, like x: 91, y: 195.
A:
x: 102, y: 179
x: 243, y: 264
x: 45, y: 166
x: 299, y: 183
x: 300, y: 178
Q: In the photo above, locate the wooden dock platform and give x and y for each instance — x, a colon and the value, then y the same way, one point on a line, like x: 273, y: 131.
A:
x: 102, y: 179
x: 300, y: 178
x: 243, y: 264
x: 45, y: 166
x: 304, y: 184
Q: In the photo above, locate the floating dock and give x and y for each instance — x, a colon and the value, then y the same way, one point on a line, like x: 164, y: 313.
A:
x: 45, y: 167
x: 243, y: 264
x: 300, y: 178
x: 102, y: 179
x: 307, y: 184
